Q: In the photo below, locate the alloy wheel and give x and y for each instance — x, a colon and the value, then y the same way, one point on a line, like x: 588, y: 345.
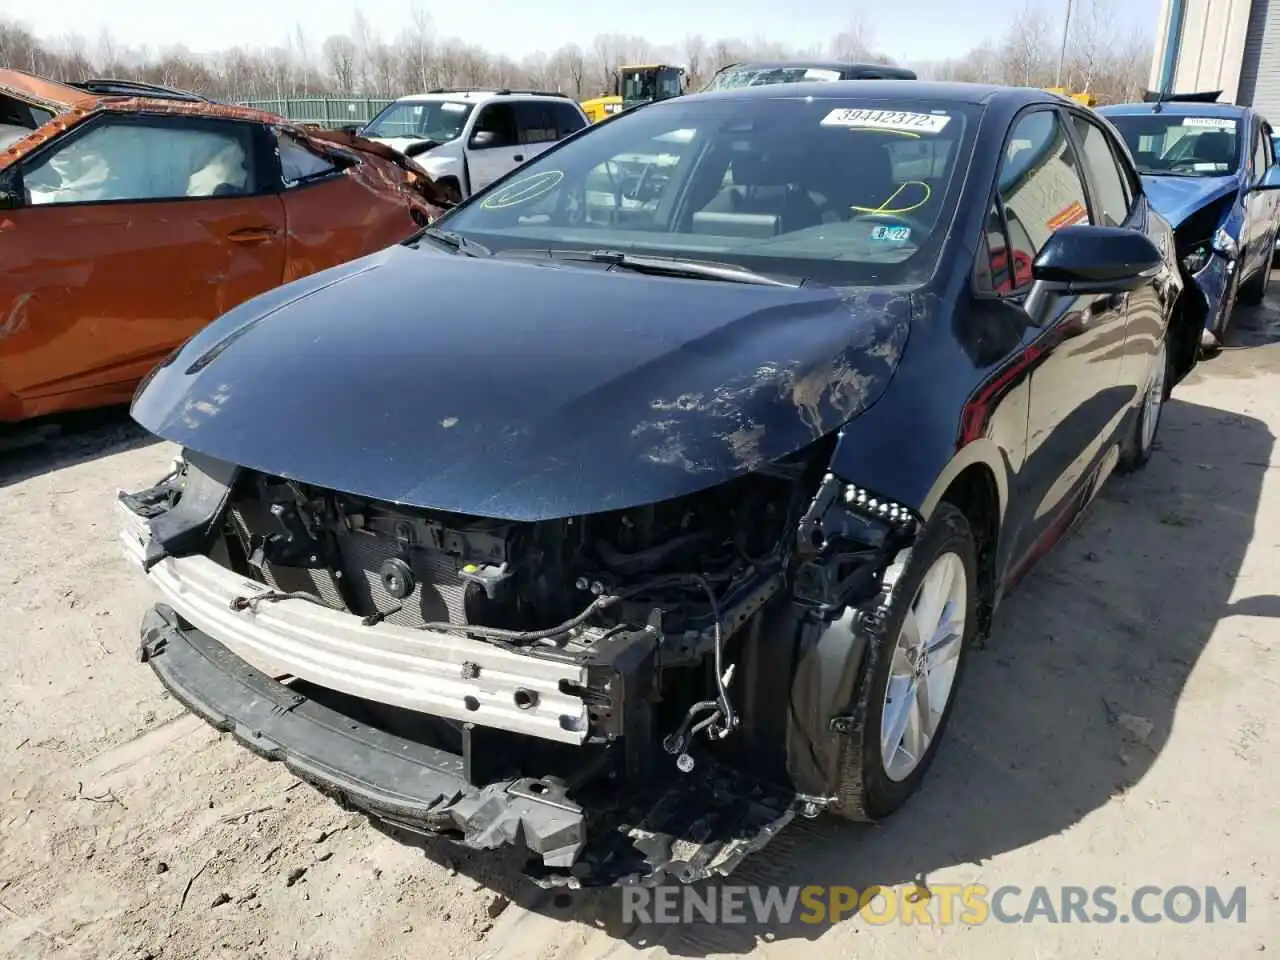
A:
x: 922, y: 672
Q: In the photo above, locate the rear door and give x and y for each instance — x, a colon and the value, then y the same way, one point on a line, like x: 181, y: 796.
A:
x: 537, y: 125
x: 338, y: 206
x: 567, y: 117
x: 129, y: 234
x: 494, y: 146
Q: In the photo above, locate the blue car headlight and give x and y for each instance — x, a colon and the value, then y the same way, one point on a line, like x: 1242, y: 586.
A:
x: 1225, y: 244
x: 1195, y: 260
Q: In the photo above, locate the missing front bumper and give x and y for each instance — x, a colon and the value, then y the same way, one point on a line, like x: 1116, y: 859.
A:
x: 699, y: 826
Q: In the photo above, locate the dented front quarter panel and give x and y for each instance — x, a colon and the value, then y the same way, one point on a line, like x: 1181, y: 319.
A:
x: 525, y: 390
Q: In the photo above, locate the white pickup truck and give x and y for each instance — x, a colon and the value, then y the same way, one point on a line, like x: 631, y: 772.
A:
x: 465, y: 139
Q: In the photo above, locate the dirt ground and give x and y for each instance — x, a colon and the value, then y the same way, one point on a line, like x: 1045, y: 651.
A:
x: 1120, y: 728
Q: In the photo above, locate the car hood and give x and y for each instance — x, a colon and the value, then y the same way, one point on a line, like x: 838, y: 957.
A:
x: 1177, y: 198
x: 524, y: 390
x: 396, y: 143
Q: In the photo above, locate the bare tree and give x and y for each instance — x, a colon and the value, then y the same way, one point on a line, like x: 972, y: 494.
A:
x: 695, y: 59
x: 340, y: 57
x: 1097, y: 58
x: 1026, y: 48
x: 363, y: 38
x: 855, y: 42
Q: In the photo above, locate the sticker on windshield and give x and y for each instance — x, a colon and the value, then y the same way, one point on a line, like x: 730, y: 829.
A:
x: 813, y: 73
x: 901, y: 120
x: 448, y: 106
x: 1220, y: 123
x: 523, y: 190
x: 891, y: 234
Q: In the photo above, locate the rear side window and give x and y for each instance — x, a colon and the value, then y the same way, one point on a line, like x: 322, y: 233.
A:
x: 567, y: 119
x: 1039, y: 184
x: 153, y: 159
x: 535, y: 122
x: 1112, y: 199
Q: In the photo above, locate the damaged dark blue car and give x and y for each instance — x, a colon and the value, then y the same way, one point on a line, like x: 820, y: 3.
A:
x: 653, y: 496
x: 1210, y: 169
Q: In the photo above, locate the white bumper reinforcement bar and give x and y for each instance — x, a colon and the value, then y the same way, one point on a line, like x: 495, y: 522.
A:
x: 434, y: 673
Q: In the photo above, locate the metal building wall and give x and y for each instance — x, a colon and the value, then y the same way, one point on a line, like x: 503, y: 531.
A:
x: 1260, y: 69
x: 1210, y: 50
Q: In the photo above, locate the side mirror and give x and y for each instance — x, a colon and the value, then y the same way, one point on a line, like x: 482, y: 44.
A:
x: 1087, y: 259
x: 1093, y: 259
x: 1269, y: 180
x: 421, y: 147
x: 483, y: 138
x: 351, y: 128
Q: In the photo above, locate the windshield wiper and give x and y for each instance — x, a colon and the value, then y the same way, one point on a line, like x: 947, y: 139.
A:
x: 670, y: 267
x: 454, y: 241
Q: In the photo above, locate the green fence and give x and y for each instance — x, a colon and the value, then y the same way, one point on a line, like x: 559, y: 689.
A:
x: 326, y: 111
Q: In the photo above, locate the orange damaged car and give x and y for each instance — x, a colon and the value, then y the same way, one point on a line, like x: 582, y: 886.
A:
x: 132, y: 215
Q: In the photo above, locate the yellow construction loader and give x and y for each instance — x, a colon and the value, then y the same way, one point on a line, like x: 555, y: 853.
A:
x: 1085, y: 99
x: 636, y: 84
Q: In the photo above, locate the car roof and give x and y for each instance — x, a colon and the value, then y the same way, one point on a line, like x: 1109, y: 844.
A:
x: 896, y: 91
x: 124, y: 96
x: 1175, y: 108
x: 478, y: 96
x: 838, y: 65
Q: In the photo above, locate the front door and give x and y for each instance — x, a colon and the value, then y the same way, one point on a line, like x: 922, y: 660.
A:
x: 1073, y: 344
x: 336, y: 211
x: 132, y: 233
x: 494, y: 146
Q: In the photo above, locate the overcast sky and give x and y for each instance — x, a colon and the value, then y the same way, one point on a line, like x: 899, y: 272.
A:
x: 912, y: 30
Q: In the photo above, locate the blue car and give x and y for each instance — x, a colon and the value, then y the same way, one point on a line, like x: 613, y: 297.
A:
x: 1209, y: 168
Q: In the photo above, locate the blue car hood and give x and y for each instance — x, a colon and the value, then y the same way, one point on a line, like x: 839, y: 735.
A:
x: 518, y: 389
x: 1177, y: 198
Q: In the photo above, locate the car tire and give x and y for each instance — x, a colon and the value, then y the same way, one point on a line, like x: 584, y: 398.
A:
x: 1254, y: 290
x: 871, y: 787
x: 1138, y: 447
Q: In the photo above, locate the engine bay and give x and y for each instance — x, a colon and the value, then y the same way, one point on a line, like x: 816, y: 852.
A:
x: 640, y: 619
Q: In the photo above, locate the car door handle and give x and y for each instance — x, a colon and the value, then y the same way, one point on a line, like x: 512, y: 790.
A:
x: 518, y: 158
x: 253, y: 234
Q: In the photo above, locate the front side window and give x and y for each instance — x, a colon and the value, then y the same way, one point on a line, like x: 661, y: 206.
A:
x: 438, y: 120
x: 1039, y: 185
x: 817, y: 187
x: 1112, y: 199
x: 1182, y: 146
x: 1261, y: 159
x: 149, y: 160
x: 299, y: 163
x: 495, y: 127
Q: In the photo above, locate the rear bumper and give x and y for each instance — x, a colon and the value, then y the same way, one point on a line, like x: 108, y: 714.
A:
x: 400, y: 781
